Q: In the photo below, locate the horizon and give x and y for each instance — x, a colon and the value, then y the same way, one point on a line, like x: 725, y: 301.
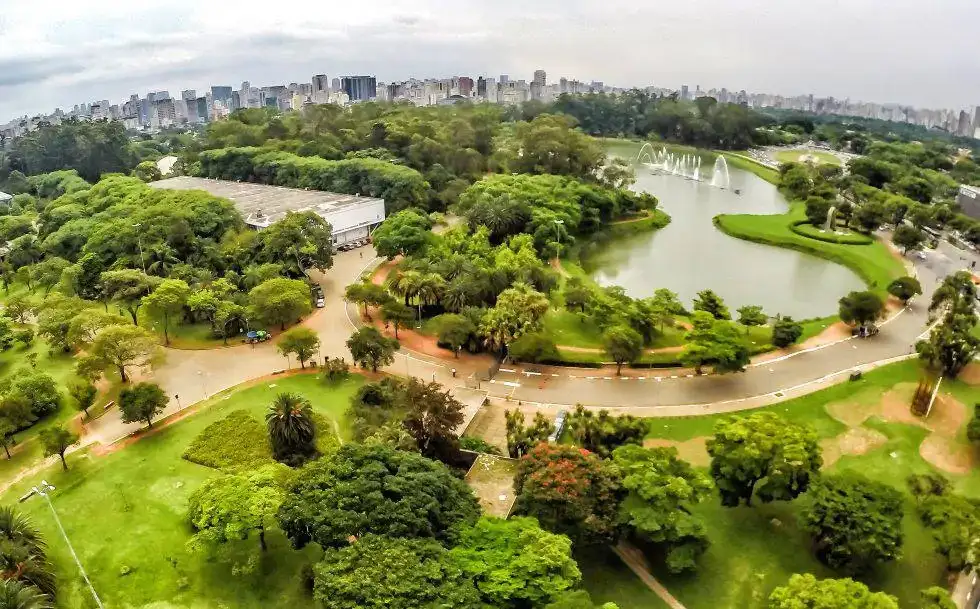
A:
x: 119, y: 49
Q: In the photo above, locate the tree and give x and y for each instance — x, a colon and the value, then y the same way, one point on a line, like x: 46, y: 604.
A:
x: 785, y: 331
x: 299, y: 241
x: 47, y: 273
x: 39, y: 390
x: 370, y: 349
x: 861, y: 308
x: 762, y: 455
x: 86, y: 325
x: 716, y: 341
x: 956, y: 293
x: 577, y: 599
x: 905, y: 288
x: 936, y: 598
x: 229, y: 319
x: 576, y: 294
x: 19, y: 308
x: 951, y: 345
x: 280, y: 301
x: 518, y: 311
x: 84, y: 394
x: 142, y: 402
x: 128, y: 287
x: 869, y: 216
x: 378, y: 572
x: 623, y: 344
x: 375, y: 489
x: 303, y: 342
x: 232, y: 507
x: 7, y: 430
x: 366, y: 293
x: 147, y: 171
x: 397, y: 314
x: 908, y: 237
x: 856, y: 523
x: 515, y: 563
x: 973, y: 426
x: 752, y: 315
x: 571, y: 491
x: 455, y: 331
x: 403, y: 233
x: 602, y: 433
x: 817, y: 210
x: 711, y: 303
x: 123, y: 347
x: 203, y: 304
x: 662, y: 490
x: 432, y: 416
x: 292, y: 432
x: 534, y: 348
x: 521, y: 438
x: 166, y: 302
x: 808, y: 592
x: 57, y: 440
x: 664, y: 307
x: 17, y: 595
x: 24, y: 559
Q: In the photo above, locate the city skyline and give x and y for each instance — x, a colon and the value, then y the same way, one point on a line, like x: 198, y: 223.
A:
x: 110, y: 53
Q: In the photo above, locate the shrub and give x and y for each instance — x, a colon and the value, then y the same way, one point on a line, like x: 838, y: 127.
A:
x: 478, y: 445
x: 237, y: 442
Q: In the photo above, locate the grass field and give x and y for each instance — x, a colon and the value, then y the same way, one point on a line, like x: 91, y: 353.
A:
x: 874, y: 263
x: 757, y: 548
x: 794, y: 156
x: 125, y: 513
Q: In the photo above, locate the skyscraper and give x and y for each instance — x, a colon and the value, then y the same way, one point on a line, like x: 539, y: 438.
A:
x: 359, y: 88
x: 685, y: 92
x: 335, y: 85
x: 222, y: 94
x: 481, y: 87
x: 540, y: 78
x: 504, y: 79
x: 320, y: 83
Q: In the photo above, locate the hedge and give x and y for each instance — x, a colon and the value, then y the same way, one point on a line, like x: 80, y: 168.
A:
x: 805, y: 229
x: 399, y: 186
x: 237, y: 442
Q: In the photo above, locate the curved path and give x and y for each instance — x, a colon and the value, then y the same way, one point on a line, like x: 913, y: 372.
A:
x: 196, y: 375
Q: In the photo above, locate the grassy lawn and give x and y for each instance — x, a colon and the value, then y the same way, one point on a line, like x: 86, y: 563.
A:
x: 794, y: 156
x: 749, y: 164
x: 127, y: 509
x: 608, y: 579
x: 874, y: 263
x: 757, y: 548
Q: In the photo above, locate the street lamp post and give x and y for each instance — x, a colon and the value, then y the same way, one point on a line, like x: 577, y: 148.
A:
x: 43, y: 491
x: 139, y: 243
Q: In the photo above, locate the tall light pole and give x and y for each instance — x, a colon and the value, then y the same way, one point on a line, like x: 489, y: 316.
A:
x: 43, y: 491
x: 204, y: 382
x: 139, y: 243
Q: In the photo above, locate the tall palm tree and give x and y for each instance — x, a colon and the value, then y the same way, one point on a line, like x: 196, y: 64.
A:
x: 16, y: 595
x: 457, y: 294
x: 430, y: 288
x: 291, y: 428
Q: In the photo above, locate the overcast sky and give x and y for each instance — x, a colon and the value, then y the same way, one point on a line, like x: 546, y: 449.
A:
x: 920, y: 52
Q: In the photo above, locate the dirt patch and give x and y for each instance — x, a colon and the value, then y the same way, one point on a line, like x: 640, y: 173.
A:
x: 854, y: 441
x: 896, y: 405
x: 852, y: 414
x: 970, y: 375
x: 694, y: 451
x: 944, y: 449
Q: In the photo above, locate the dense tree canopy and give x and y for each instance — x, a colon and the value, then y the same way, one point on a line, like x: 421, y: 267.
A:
x: 375, y: 489
x: 808, y: 592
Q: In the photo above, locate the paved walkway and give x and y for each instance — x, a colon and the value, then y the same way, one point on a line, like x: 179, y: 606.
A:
x: 195, y: 375
x: 637, y: 563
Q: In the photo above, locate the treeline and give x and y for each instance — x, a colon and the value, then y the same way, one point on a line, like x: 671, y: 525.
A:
x: 703, y: 122
x: 398, y: 185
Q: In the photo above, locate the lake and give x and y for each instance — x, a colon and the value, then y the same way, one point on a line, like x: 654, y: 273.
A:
x: 691, y: 255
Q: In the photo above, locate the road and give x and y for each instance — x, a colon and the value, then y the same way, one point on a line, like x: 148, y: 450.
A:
x: 196, y: 375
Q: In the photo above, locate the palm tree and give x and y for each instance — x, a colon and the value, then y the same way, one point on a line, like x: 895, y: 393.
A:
x: 160, y: 258
x: 405, y: 284
x: 457, y: 294
x: 16, y: 595
x: 291, y: 428
x: 23, y: 552
x: 430, y: 288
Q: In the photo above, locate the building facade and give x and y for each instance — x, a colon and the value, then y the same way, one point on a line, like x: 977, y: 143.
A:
x: 359, y: 88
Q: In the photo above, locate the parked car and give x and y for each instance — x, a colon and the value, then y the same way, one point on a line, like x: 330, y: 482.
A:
x: 320, y: 302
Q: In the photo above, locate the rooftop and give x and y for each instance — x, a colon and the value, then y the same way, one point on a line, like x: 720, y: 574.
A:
x: 5, y: 197
x: 261, y: 204
x: 973, y: 189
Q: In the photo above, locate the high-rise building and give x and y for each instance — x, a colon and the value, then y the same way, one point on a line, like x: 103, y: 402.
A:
x: 540, y: 78
x: 222, y: 94
x: 964, y: 127
x: 188, y: 94
x: 504, y: 79
x: 465, y: 86
x: 481, y: 87
x: 685, y: 92
x: 320, y: 83
x: 335, y: 85
x: 359, y: 88
x: 976, y: 118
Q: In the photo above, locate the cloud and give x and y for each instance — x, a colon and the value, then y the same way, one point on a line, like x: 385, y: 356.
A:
x: 879, y: 50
